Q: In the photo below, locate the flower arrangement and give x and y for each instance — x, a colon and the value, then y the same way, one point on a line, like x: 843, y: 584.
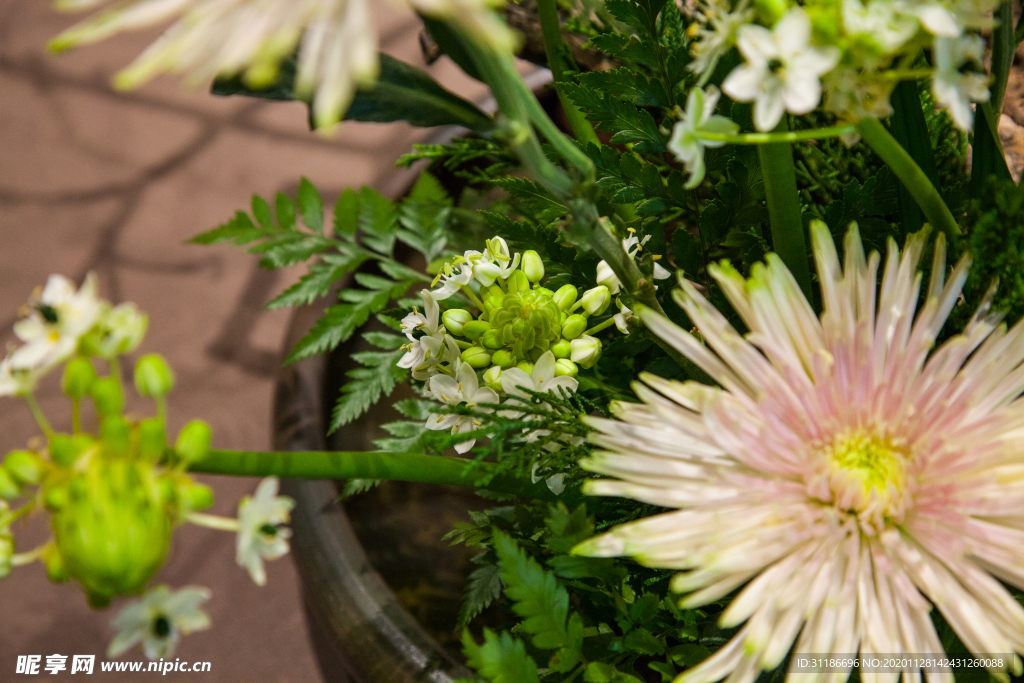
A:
x: 710, y: 458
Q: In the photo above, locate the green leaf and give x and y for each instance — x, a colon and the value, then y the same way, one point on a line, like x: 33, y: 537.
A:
x: 339, y: 322
x: 532, y: 200
x: 424, y: 217
x: 378, y: 220
x: 346, y: 213
x: 536, y: 595
x: 629, y: 124
x: 311, y: 206
x: 367, y: 384
x: 285, y: 211
x: 317, y: 282
x: 482, y: 588
x: 261, y: 210
x: 500, y: 659
x: 239, y: 230
x: 354, y: 487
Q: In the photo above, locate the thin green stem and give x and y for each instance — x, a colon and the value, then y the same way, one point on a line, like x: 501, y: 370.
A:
x: 37, y: 413
x: 603, y: 325
x: 784, y: 212
x: 551, y: 30
x: 473, y: 297
x: 414, y: 467
x: 213, y: 521
x: 906, y: 74
x: 76, y: 416
x: 21, y: 559
x: 911, y: 175
x: 768, y: 138
x: 161, y: 407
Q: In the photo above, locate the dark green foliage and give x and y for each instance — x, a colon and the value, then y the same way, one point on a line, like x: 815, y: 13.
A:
x: 501, y: 658
x: 378, y: 375
x: 401, y: 93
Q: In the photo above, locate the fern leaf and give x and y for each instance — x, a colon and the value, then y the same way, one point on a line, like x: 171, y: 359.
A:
x: 500, y: 659
x: 536, y: 595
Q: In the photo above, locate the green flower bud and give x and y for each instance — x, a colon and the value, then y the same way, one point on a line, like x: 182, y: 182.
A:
x: 533, y: 266
x: 561, y: 349
x: 64, y: 449
x: 492, y: 339
x: 770, y: 11
x: 79, y: 374
x: 475, y: 329
x: 476, y: 357
x: 152, y: 439
x: 493, y: 303
x: 107, y: 396
x: 115, y: 529
x: 492, y: 290
x: 9, y: 488
x: 565, y: 297
x: 455, y: 319
x: 565, y: 368
x: 153, y: 377
x: 55, y: 497
x: 585, y: 351
x: 194, y: 496
x: 492, y: 377
x: 596, y: 300
x: 518, y: 282
x: 574, y: 326
x: 116, y: 436
x: 527, y: 320
x: 55, y: 568
x: 504, y: 359
x: 194, y: 441
x: 526, y: 366
x: 25, y: 467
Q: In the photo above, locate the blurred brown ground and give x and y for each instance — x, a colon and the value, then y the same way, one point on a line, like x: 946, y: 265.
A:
x: 93, y: 180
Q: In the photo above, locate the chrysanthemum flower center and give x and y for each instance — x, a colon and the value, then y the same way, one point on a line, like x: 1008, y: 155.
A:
x: 866, y: 475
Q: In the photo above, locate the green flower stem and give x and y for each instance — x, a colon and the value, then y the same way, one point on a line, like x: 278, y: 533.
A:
x: 551, y: 30
x: 784, y: 211
x: 37, y: 413
x: 473, y: 297
x: 911, y: 175
x: 499, y: 73
x: 21, y: 559
x: 76, y: 416
x: 768, y: 138
x: 603, y: 325
x: 213, y: 521
x: 415, y: 467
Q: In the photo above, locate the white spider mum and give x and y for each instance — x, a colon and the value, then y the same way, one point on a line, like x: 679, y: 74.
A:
x: 844, y: 473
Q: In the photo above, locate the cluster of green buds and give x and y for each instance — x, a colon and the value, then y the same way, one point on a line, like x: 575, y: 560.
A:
x: 115, y: 495
x: 518, y: 319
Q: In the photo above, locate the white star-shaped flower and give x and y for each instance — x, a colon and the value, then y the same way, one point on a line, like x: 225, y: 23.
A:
x: 632, y: 246
x: 453, y: 391
x: 699, y: 116
x: 955, y: 87
x: 453, y: 278
x: 718, y: 35
x: 159, y: 620
x: 260, y: 534
x: 426, y: 337
x: 542, y: 379
x: 782, y: 70
x: 57, y: 320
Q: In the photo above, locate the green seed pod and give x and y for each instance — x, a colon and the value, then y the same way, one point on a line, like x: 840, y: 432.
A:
x: 63, y: 450
x: 492, y: 339
x: 153, y: 376
x: 574, y: 326
x: 586, y: 351
x: 595, y: 301
x: 79, y: 374
x: 565, y: 297
x: 492, y: 377
x: 518, y: 282
x: 194, y: 496
x: 152, y: 439
x: 533, y: 266
x: 24, y: 466
x: 114, y: 530
x: 107, y: 396
x: 476, y: 357
x: 194, y: 441
x: 55, y: 568
x: 9, y: 488
x: 561, y: 349
x: 504, y: 359
x: 455, y: 319
x: 475, y: 329
x: 566, y: 368
x: 116, y: 436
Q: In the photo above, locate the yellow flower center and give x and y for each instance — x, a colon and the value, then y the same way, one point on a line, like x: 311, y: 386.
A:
x: 867, y: 476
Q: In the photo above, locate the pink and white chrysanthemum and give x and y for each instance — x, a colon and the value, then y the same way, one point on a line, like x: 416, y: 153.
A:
x: 847, y: 475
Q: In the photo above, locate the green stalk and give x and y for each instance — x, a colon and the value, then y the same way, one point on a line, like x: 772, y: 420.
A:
x: 551, y: 29
x: 911, y: 175
x: 784, y: 212
x: 414, y: 467
x: 767, y: 138
x: 1004, y: 43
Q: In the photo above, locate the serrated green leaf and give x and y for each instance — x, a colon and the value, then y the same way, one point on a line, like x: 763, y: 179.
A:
x: 356, y: 486
x: 311, y: 206
x: 367, y: 384
x: 285, y: 209
x: 261, y: 211
x: 424, y: 217
x: 378, y: 220
x: 482, y: 588
x: 500, y: 659
x: 536, y: 595
x: 317, y: 282
x: 414, y: 408
x: 385, y: 340
x: 346, y: 213
x: 239, y: 230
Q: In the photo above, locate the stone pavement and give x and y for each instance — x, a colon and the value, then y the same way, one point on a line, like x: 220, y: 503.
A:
x: 93, y: 180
